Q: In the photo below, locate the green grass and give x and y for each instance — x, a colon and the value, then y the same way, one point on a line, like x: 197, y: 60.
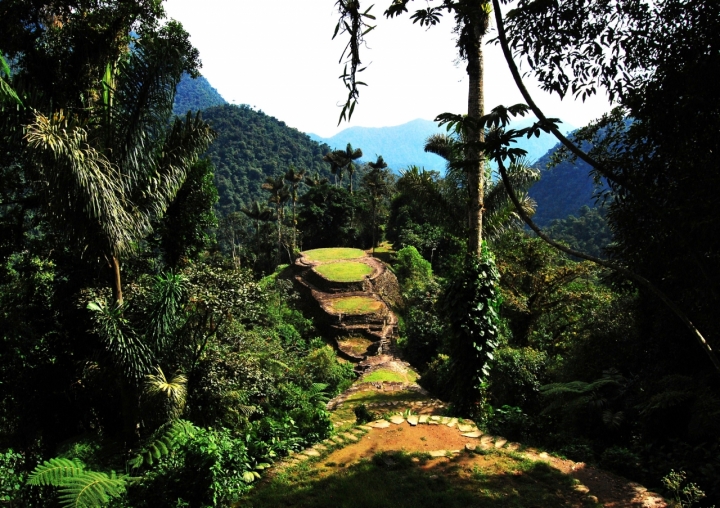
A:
x: 384, y: 375
x: 356, y: 345
x: 356, y: 305
x: 323, y: 255
x: 393, y: 479
x: 344, y: 271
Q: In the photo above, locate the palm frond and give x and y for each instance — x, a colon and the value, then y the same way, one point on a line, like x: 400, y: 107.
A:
x: 7, y: 94
x: 125, y: 347
x: 175, y: 390
x: 168, y: 292
x: 80, y: 182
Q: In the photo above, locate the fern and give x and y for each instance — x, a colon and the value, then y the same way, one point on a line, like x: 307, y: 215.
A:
x: 164, y: 444
x: 317, y: 394
x: 79, y: 488
x: 91, y: 489
x: 55, y: 471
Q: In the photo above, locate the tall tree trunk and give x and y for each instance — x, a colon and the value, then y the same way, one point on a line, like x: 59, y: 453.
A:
x: 474, y: 158
x: 117, y: 280
x: 294, y: 242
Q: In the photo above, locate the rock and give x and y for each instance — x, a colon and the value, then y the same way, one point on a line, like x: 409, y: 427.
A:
x: 500, y: 442
x: 637, y: 487
x: 581, y: 488
x: 435, y: 418
x: 470, y: 446
x: 349, y: 437
x: 452, y: 422
x: 475, y: 434
x: 365, y: 427
x: 454, y: 452
x: 438, y: 453
x: 412, y: 420
x: 593, y: 499
x: 380, y: 424
x: 544, y: 455
x: 337, y: 439
x: 513, y: 447
x: 319, y: 447
x: 445, y: 420
x: 464, y: 427
x: 397, y: 419
x: 423, y: 419
x: 311, y: 453
x: 357, y: 432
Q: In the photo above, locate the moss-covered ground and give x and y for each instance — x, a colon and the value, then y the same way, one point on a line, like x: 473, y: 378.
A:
x: 356, y: 305
x: 331, y: 254
x: 344, y: 271
x: 355, y: 345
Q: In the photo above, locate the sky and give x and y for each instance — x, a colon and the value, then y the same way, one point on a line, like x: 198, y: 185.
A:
x: 278, y: 56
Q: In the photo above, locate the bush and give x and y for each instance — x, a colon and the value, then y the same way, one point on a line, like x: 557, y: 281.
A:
x: 516, y: 376
x: 510, y: 422
x: 363, y: 415
x: 621, y: 461
x: 412, y: 269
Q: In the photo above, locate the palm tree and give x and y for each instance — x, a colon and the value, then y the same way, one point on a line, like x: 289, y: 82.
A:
x: 377, y: 184
x: 336, y: 164
x: 350, y: 156
x: 279, y: 195
x: 108, y: 176
x: 315, y: 181
x: 499, y: 212
x: 294, y: 178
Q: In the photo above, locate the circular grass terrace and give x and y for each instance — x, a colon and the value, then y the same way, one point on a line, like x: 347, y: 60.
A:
x: 344, y: 271
x: 333, y: 254
x: 355, y: 305
x: 354, y: 345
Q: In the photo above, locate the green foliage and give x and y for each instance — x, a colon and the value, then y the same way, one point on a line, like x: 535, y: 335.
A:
x: 78, y: 487
x: 470, y: 304
x: 186, y: 229
x: 620, y: 460
x: 588, y: 232
x: 252, y: 146
x: 509, y: 421
x: 12, y: 477
x: 411, y: 269
x: 331, y: 217
x: 363, y: 414
x: 195, y: 93
x: 685, y: 495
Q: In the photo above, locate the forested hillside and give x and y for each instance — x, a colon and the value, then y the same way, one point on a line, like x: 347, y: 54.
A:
x: 561, y: 190
x: 252, y: 146
x: 193, y: 94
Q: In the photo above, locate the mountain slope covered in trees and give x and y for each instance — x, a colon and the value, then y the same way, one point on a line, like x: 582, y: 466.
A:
x: 251, y: 146
x: 193, y: 94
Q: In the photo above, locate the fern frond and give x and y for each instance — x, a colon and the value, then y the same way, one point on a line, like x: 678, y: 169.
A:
x: 91, y: 489
x: 56, y: 471
x: 317, y: 393
x: 164, y: 444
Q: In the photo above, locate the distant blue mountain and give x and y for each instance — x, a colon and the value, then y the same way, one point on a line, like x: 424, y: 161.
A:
x: 194, y: 95
x: 403, y: 145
